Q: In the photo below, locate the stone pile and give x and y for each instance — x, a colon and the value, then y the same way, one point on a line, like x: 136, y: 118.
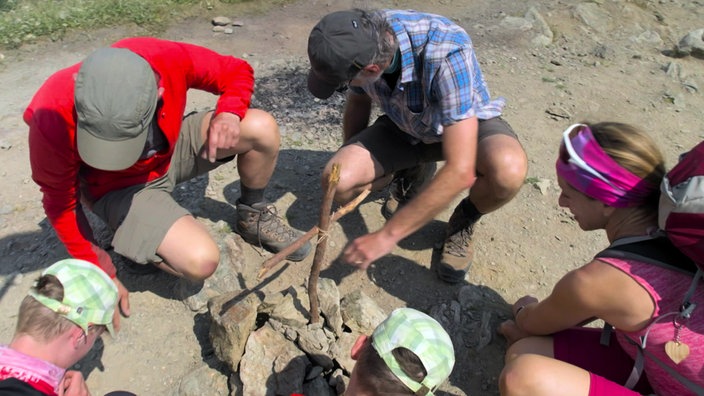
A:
x: 271, y: 348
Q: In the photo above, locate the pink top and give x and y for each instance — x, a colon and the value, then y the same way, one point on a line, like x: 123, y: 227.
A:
x: 667, y: 289
x: 41, y: 375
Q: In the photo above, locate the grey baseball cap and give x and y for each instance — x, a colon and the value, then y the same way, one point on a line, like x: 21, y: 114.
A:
x: 339, y: 46
x: 115, y: 96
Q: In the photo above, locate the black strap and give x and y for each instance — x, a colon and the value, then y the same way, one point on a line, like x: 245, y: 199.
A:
x: 656, y: 251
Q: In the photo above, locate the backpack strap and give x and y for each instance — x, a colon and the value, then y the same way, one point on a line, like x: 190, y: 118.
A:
x: 657, y: 250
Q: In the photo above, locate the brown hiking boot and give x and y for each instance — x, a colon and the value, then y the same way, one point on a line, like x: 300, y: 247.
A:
x: 406, y: 184
x: 260, y: 225
x: 457, y: 251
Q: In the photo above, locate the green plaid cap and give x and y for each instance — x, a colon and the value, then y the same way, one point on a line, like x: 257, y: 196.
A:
x: 424, y: 336
x: 90, y: 295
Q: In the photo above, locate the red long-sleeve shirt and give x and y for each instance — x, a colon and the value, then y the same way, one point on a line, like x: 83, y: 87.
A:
x: 51, y: 115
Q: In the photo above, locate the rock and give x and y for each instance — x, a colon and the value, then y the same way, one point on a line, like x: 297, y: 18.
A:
x: 232, y: 322
x: 318, y: 387
x: 360, y: 313
x: 691, y: 86
x: 313, y: 341
x: 593, y: 16
x: 341, y: 348
x: 272, y: 365
x: 673, y: 70
x: 692, y: 44
x: 470, y: 296
x: 292, y: 308
x: 203, y: 381
x: 515, y: 23
x: 649, y: 37
x: 545, y: 34
x: 329, y: 298
x: 193, y: 294
x: 484, y: 336
x: 228, y: 30
x: 558, y: 112
x: 339, y: 381
x: 604, y: 52
x: 221, y: 21
x: 314, y: 372
x: 543, y: 185
x: 236, y: 387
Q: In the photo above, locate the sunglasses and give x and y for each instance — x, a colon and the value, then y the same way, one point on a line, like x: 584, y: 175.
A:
x: 97, y: 329
x: 352, y: 72
x: 569, y: 155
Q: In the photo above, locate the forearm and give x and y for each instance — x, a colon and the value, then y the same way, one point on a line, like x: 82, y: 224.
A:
x: 356, y: 115
x: 459, y: 143
x: 437, y: 196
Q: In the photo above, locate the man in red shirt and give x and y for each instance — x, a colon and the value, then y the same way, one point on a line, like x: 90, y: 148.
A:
x: 110, y: 134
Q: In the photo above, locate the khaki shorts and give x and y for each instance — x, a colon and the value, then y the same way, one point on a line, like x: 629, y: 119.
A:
x: 141, y: 215
x: 395, y: 150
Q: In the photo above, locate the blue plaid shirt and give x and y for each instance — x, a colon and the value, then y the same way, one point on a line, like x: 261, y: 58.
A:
x: 440, y: 83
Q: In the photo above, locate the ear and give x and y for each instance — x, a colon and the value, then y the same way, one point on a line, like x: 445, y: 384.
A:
x: 371, y: 69
x: 358, y: 346
x: 160, y: 92
x: 77, y: 336
x: 608, y: 211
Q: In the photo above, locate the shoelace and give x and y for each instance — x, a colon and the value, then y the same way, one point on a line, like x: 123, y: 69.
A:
x: 271, y: 215
x: 458, y: 242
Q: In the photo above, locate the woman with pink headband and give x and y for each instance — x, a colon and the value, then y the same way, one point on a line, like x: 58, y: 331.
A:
x: 610, y: 175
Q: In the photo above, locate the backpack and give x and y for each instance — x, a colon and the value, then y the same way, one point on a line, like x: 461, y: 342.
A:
x: 678, y: 245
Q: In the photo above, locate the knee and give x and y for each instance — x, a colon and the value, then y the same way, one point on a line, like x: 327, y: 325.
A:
x: 262, y: 127
x: 201, y: 264
x: 520, y: 376
x: 508, y: 177
x: 344, y: 187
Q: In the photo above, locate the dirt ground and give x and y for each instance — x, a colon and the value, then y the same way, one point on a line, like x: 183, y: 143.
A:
x: 605, y: 62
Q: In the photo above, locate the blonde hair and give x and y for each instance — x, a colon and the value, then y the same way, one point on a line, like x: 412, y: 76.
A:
x: 635, y: 151
x: 38, y: 321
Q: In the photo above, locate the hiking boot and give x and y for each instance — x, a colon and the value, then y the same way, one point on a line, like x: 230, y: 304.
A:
x: 406, y: 184
x: 457, y: 251
x: 260, y: 225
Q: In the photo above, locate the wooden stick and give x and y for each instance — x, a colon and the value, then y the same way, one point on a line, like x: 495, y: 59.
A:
x: 280, y: 256
x: 322, y: 245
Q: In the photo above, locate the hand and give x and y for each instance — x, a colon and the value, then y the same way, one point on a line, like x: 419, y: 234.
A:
x: 522, y: 302
x: 223, y: 133
x: 73, y: 384
x: 510, y: 330
x: 366, y: 249
x: 123, y: 304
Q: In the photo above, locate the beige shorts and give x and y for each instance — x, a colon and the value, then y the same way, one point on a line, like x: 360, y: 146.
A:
x: 141, y: 215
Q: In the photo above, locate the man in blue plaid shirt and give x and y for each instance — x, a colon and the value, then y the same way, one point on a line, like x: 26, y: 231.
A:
x: 421, y: 70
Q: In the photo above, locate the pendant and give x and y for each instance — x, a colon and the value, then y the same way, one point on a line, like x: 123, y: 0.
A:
x: 676, y: 351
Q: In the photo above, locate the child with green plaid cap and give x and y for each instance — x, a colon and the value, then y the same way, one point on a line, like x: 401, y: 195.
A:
x: 409, y: 353
x: 68, y: 308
